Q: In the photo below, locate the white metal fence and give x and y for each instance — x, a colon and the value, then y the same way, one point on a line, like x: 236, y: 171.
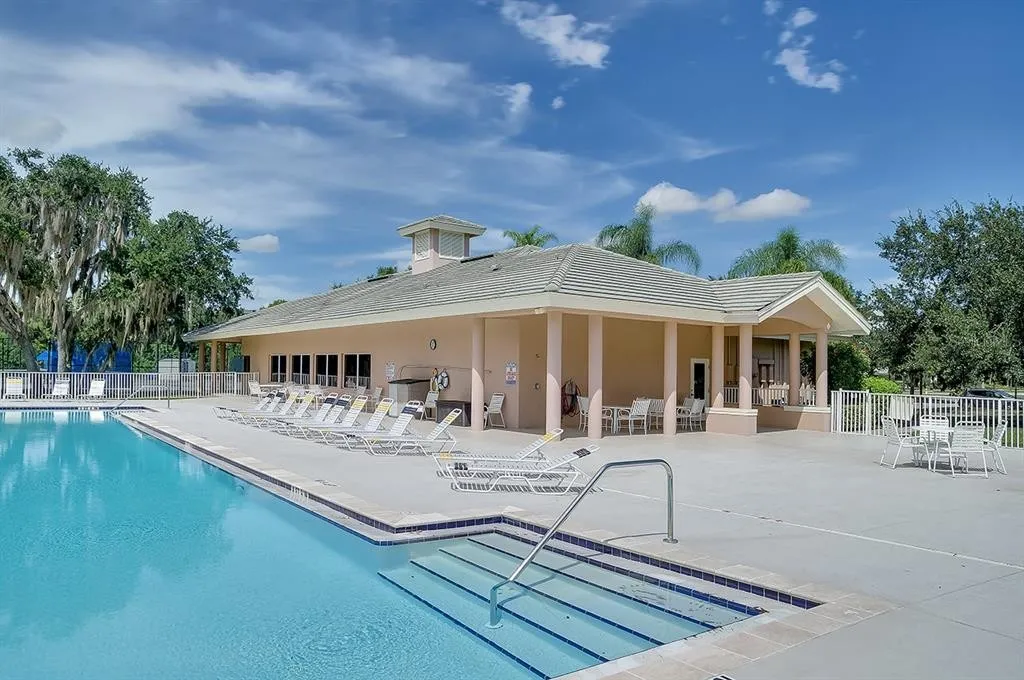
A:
x: 775, y: 395
x: 862, y: 412
x: 37, y: 385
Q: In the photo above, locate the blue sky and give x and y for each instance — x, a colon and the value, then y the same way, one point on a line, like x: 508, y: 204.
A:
x: 313, y: 128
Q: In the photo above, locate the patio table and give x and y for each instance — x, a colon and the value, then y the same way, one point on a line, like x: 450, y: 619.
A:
x: 617, y: 412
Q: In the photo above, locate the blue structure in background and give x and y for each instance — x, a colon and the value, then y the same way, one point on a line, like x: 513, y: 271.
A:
x: 81, y: 362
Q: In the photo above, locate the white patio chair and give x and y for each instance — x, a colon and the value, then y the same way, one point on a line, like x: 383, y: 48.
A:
x: 995, y: 445
x: 934, y: 431
x: 657, y: 413
x: 376, y: 395
x: 492, y: 409
x: 694, y: 416
x: 638, y: 415
x: 430, y: 404
x: 97, y: 388
x: 583, y: 403
x: 14, y: 388
x: 547, y: 477
x: 968, y: 438
x: 893, y: 437
x: 61, y: 389
x: 256, y: 391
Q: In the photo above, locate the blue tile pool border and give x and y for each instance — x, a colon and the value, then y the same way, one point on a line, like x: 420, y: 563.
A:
x: 474, y: 525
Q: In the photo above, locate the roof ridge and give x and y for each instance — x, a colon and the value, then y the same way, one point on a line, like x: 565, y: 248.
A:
x: 558, y: 278
x: 695, y: 277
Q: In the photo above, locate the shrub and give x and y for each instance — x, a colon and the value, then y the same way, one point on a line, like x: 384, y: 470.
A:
x: 879, y: 385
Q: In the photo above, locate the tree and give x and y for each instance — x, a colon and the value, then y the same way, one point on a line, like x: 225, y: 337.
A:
x: 77, y: 214
x: 534, y: 236
x: 790, y: 254
x: 955, y: 315
x: 384, y: 270
x: 275, y: 303
x: 848, y: 365
x: 20, y: 266
x: 175, y: 274
x: 636, y: 239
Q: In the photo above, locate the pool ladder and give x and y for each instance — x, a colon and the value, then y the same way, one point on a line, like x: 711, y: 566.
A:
x: 495, y: 615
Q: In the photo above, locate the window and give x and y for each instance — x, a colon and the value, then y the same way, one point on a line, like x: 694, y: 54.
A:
x: 278, y: 368
x: 452, y: 244
x: 421, y: 245
x: 357, y: 370
x: 300, y: 369
x: 326, y: 370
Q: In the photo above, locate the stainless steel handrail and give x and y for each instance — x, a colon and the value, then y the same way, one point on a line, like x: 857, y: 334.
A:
x: 141, y: 388
x: 495, y: 616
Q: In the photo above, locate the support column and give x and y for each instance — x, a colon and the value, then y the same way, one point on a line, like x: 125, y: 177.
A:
x: 595, y: 364
x: 553, y: 397
x: 794, y: 369
x: 821, y: 364
x: 746, y: 358
x: 201, y: 358
x: 476, y: 399
x: 222, y: 360
x: 717, y: 366
x: 214, y: 350
x: 671, y: 366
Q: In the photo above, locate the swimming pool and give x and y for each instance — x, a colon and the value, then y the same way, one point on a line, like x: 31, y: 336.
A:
x: 123, y: 557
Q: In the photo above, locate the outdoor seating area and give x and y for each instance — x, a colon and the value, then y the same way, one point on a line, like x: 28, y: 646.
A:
x: 345, y: 421
x: 644, y: 415
x: 935, y: 440
x: 62, y: 388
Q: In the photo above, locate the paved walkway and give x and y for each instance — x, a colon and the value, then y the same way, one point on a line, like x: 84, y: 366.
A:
x: 814, y: 508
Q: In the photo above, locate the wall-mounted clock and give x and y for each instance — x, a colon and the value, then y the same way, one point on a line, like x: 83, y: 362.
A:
x: 433, y: 344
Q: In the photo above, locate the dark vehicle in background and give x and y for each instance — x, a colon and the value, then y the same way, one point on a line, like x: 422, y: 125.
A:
x: 984, y: 404
x: 985, y: 393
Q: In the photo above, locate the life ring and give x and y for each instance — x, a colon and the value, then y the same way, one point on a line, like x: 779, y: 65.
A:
x: 442, y: 380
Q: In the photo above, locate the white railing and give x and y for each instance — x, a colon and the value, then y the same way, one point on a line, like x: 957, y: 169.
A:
x: 147, y: 385
x: 775, y: 395
x: 861, y: 412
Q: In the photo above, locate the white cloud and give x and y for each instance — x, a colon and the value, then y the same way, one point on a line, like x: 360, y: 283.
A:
x: 569, y: 41
x: 269, y: 287
x: 802, y: 17
x: 517, y: 101
x: 799, y: 69
x: 858, y: 34
x: 858, y: 252
x: 821, y: 163
x: 264, y: 243
x: 724, y: 206
x: 771, y: 7
x: 796, y: 59
x: 557, y: 103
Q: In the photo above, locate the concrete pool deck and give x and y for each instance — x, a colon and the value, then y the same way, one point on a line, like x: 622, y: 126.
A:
x: 811, y: 508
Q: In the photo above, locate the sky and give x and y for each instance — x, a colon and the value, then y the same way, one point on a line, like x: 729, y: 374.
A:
x: 314, y: 128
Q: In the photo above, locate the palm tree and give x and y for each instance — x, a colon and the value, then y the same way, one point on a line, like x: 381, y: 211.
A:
x: 636, y: 240
x: 529, y: 237
x: 787, y: 253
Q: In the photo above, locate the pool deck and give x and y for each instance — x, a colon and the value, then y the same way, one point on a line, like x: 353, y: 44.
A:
x: 938, y: 561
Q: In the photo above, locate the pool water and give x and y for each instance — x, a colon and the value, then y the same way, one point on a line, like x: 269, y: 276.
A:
x: 122, y: 557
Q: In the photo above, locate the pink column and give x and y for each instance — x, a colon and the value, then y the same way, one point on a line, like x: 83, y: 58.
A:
x: 671, y: 366
x: 821, y: 363
x: 553, y: 397
x: 476, y: 398
x: 717, y: 366
x: 746, y: 359
x: 595, y: 363
x: 794, y: 369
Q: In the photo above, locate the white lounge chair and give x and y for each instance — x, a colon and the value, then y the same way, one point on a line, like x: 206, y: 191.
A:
x: 14, y: 387
x: 61, y: 389
x: 337, y: 434
x: 544, y: 476
x: 318, y: 430
x: 397, y: 431
x: 530, y: 451
x: 432, y: 444
x: 282, y: 408
x: 492, y: 409
x: 266, y: 404
x: 375, y: 396
x: 280, y: 422
x: 340, y: 409
x: 97, y: 388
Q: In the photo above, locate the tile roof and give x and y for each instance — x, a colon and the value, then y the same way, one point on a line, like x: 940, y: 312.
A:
x: 578, y: 269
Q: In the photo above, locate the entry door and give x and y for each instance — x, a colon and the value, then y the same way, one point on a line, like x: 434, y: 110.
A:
x: 699, y: 378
